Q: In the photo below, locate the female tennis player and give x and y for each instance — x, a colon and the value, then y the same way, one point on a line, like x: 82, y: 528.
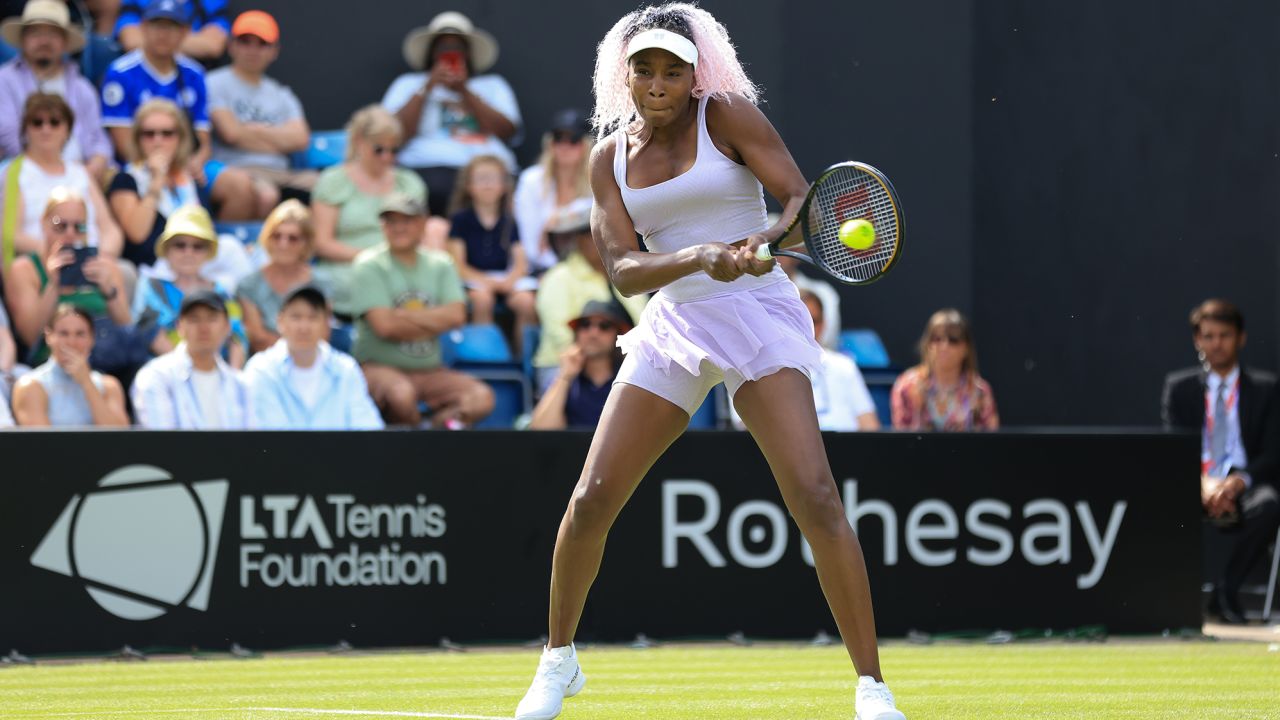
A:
x: 683, y: 156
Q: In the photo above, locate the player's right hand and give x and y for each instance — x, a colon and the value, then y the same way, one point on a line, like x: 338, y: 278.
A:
x: 721, y: 262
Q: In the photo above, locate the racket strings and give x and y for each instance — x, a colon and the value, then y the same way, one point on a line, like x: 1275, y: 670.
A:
x: 845, y: 194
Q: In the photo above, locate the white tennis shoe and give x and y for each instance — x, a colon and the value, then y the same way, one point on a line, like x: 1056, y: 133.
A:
x: 559, y: 676
x: 875, y: 701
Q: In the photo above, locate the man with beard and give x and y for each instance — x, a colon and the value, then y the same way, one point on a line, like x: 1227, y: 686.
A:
x: 1237, y: 413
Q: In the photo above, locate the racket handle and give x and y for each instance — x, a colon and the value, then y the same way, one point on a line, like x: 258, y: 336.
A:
x: 763, y: 253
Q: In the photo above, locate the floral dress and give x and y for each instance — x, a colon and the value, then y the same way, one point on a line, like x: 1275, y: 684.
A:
x: 919, y: 403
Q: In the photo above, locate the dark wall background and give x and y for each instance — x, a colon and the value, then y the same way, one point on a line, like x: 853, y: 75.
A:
x: 1124, y: 170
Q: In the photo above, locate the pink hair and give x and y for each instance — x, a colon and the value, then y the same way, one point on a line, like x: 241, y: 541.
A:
x: 717, y: 72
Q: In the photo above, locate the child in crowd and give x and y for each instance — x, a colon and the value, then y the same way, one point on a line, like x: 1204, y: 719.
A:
x: 486, y: 246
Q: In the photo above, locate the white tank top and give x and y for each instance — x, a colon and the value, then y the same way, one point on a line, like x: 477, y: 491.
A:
x: 716, y: 200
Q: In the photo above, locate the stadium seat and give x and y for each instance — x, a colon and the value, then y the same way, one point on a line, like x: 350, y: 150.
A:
x: 708, y: 415
x: 246, y: 232
x: 865, y: 347
x: 512, y: 395
x: 880, y: 387
x: 327, y: 147
x: 342, y: 336
x: 532, y: 336
x: 475, y: 344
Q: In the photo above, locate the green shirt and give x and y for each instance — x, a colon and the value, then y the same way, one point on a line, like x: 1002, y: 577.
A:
x: 381, y: 281
x: 358, y: 223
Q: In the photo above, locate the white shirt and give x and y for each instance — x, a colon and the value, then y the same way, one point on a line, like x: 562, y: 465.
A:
x: 36, y: 184
x: 1235, y: 456
x: 165, y: 396
x: 306, y: 382
x: 840, y: 395
x: 535, y: 202
x: 830, y: 300
x: 208, y: 386
x: 447, y: 136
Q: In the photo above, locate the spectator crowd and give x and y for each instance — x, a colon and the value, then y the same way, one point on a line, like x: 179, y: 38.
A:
x: 171, y: 258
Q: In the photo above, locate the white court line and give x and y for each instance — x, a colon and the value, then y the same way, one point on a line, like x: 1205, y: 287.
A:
x: 386, y: 713
x: 299, y: 711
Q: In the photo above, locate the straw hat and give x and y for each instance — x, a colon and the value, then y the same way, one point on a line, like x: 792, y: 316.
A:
x: 483, y: 47
x: 191, y: 221
x: 43, y: 12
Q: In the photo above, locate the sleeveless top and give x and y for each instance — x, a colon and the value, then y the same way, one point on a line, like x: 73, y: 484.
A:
x: 716, y: 200
x: 67, y: 404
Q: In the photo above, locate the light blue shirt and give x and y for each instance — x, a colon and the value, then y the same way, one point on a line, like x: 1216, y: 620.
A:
x: 342, y: 398
x: 165, y: 398
x: 68, y: 406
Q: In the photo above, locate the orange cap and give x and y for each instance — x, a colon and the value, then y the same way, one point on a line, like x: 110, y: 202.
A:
x: 257, y: 23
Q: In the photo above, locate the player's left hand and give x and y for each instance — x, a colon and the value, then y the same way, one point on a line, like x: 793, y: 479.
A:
x: 750, y: 264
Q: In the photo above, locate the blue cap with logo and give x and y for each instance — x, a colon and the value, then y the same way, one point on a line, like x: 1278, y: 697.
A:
x: 175, y: 10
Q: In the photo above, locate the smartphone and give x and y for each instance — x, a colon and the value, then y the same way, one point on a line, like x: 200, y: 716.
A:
x: 72, y: 275
x: 453, y: 60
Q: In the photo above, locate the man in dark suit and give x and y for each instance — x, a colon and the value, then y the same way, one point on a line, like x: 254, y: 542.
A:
x: 1237, y: 413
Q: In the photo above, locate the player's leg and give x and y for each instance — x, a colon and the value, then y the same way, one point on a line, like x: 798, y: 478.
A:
x: 778, y: 409
x: 635, y: 428
x: 637, y: 425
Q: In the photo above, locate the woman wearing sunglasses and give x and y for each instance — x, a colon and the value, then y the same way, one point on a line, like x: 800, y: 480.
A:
x: 155, y: 183
x: 348, y: 197
x: 67, y: 270
x: 47, y: 122
x: 944, y: 392
x: 187, y: 244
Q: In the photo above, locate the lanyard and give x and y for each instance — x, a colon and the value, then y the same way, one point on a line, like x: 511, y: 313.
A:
x: 1232, y: 397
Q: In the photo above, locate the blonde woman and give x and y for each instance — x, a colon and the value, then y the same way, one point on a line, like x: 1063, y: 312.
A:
x: 944, y: 392
x: 66, y: 271
x: 155, y: 182
x: 348, y: 197
x: 554, y: 186
x: 289, y: 239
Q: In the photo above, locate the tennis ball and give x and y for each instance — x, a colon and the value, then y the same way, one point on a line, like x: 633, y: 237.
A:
x: 857, y: 234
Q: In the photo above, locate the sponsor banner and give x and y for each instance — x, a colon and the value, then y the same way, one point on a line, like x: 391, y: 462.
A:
x: 181, y: 540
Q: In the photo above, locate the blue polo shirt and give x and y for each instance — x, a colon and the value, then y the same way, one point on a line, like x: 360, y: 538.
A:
x: 130, y: 82
x: 586, y: 401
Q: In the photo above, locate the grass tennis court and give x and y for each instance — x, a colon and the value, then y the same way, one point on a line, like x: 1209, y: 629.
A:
x: 1129, y: 680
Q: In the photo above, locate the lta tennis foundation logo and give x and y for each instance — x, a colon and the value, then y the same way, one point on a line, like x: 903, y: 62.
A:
x: 142, y: 543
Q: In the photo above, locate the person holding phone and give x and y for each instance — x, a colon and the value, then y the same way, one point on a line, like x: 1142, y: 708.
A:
x: 65, y: 391
x: 449, y: 109
x: 68, y: 271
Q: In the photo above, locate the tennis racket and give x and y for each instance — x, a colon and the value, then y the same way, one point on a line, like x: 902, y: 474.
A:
x: 843, y: 192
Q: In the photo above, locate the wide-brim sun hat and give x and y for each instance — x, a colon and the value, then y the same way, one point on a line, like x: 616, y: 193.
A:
x: 43, y: 12
x: 190, y: 221
x: 482, y: 46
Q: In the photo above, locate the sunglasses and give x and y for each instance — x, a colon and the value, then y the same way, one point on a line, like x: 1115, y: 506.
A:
x: 53, y: 122
x: 948, y: 339
x: 603, y: 325
x: 383, y: 150
x: 565, y: 137
x: 165, y: 133
x: 184, y: 245
x: 62, y: 226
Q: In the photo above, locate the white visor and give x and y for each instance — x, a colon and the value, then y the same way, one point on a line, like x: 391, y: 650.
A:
x: 677, y: 45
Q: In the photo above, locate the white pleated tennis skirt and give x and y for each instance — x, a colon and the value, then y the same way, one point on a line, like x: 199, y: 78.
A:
x: 680, y: 350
